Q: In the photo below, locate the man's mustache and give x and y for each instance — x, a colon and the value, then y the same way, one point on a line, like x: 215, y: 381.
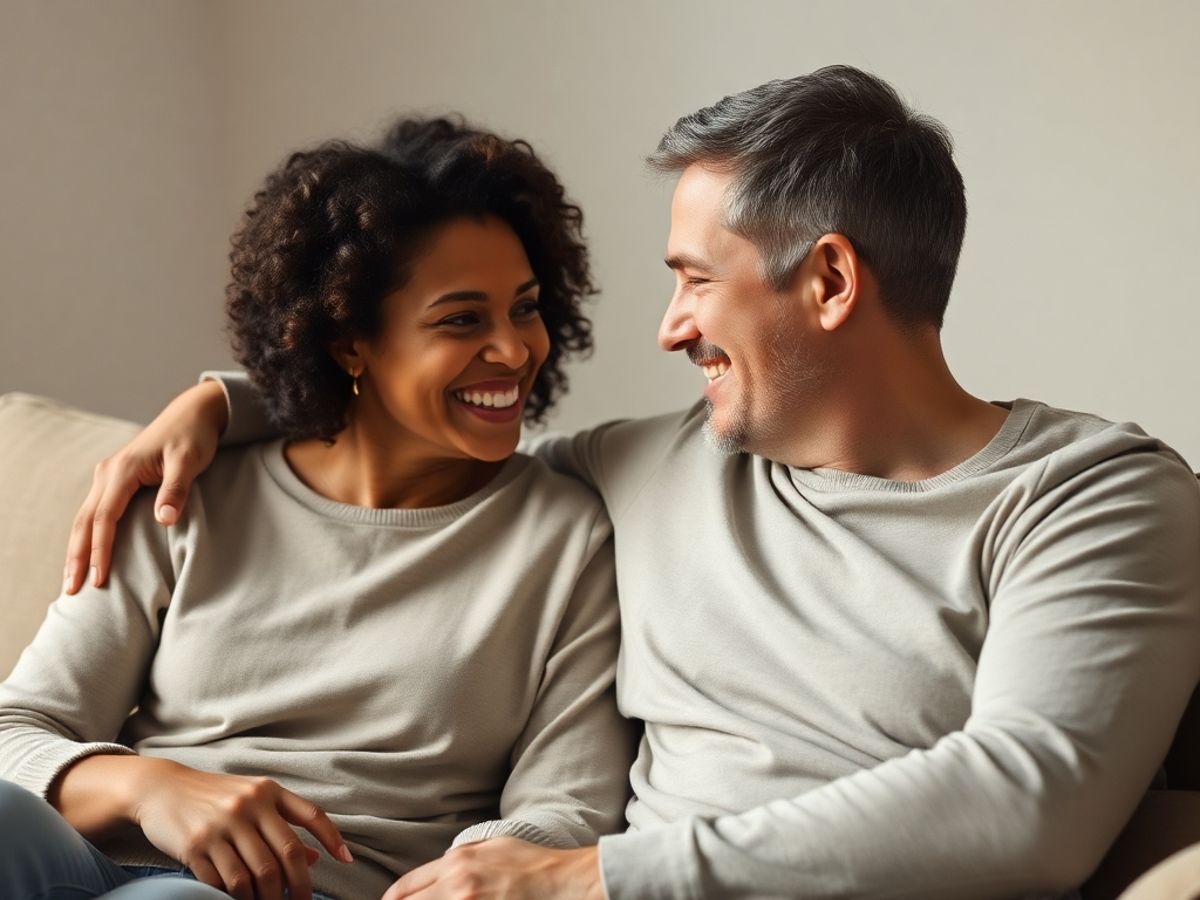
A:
x: 704, y: 351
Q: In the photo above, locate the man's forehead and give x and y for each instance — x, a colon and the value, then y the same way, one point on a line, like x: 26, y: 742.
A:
x: 697, y: 213
x: 699, y: 238
x: 700, y: 190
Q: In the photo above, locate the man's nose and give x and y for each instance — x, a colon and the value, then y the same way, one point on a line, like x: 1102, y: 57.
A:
x: 678, y: 328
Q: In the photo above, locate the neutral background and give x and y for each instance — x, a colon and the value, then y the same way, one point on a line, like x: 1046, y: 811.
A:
x: 133, y: 132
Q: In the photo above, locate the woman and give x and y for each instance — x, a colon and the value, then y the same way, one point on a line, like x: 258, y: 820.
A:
x: 388, y: 628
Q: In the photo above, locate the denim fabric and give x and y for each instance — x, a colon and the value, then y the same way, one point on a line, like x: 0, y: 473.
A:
x: 43, y: 858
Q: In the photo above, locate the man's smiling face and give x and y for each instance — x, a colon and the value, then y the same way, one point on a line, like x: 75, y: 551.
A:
x: 748, y: 339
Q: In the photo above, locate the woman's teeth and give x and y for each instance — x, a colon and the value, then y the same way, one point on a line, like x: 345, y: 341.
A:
x: 493, y: 399
x: 714, y: 372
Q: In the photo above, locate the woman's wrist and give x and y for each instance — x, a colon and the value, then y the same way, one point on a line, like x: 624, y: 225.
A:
x: 101, y: 792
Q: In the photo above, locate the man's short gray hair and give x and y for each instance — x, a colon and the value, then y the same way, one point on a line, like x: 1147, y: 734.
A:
x: 835, y: 151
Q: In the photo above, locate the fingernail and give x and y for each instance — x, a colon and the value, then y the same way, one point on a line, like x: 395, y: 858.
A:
x: 94, y: 573
x: 66, y: 580
x: 167, y: 513
x: 344, y: 854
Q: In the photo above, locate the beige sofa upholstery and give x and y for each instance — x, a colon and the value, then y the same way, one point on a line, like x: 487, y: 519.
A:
x: 48, y: 451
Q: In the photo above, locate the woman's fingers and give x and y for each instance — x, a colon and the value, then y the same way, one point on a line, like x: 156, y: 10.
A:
x: 312, y: 818
x: 206, y: 873
x: 265, y: 867
x: 235, y: 877
x: 293, y: 856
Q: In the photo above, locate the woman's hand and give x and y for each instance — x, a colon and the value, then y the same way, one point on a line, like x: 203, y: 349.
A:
x: 171, y: 451
x: 233, y: 832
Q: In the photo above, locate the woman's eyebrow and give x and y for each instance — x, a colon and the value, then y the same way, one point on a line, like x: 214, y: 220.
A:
x: 478, y: 296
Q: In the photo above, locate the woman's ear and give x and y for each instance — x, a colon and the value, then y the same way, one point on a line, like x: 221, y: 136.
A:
x: 348, y: 354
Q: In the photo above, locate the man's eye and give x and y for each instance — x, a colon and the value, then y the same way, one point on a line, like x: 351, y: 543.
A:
x: 693, y: 280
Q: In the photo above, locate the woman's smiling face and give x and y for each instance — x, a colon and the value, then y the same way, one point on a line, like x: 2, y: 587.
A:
x: 462, y: 342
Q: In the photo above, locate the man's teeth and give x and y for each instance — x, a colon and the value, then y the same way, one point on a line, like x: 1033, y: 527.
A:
x: 716, y: 371
x: 493, y: 399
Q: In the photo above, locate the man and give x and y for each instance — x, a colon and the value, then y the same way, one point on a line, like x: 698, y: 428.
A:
x: 887, y: 639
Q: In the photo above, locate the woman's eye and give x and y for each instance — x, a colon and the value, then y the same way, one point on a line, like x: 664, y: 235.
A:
x: 460, y: 321
x: 526, y: 309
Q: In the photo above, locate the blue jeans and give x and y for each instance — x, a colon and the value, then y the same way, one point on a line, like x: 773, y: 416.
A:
x: 43, y: 858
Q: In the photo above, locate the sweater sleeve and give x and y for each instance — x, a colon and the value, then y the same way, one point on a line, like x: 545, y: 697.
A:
x: 615, y: 459
x: 569, y: 779
x: 1092, y: 651
x: 77, y: 682
x: 248, y: 419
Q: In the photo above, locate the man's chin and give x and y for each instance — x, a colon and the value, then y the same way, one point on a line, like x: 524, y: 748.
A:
x: 726, y: 438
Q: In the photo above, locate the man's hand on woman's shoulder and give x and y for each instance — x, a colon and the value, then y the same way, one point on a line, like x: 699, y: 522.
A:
x: 171, y: 451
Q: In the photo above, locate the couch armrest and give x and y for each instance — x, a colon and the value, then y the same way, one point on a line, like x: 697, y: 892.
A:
x: 1165, y: 823
x: 1176, y: 879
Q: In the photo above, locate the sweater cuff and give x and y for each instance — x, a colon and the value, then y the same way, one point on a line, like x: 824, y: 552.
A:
x: 654, y: 864
x: 247, y: 421
x: 514, y: 828
x: 39, y: 771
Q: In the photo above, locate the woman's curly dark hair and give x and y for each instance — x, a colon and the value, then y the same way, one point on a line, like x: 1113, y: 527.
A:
x: 334, y: 229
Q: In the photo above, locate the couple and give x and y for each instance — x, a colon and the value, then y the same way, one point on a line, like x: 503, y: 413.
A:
x: 886, y: 639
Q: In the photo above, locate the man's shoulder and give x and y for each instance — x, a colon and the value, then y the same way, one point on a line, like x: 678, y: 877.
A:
x: 616, y: 457
x: 1070, y: 434
x: 642, y: 435
x: 543, y: 491
x: 1071, y: 451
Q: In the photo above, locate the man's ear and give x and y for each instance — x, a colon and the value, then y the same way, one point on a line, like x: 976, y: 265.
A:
x: 833, y: 278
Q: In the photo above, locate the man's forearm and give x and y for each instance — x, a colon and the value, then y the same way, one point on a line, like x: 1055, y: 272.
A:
x: 207, y: 402
x: 945, y: 823
x: 246, y: 420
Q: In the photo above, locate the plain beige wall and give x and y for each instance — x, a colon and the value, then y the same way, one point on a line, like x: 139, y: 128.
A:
x: 113, y: 219
x: 127, y: 159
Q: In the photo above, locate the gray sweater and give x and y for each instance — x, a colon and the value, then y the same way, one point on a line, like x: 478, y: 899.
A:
x: 854, y: 687
x: 951, y: 688
x: 420, y: 674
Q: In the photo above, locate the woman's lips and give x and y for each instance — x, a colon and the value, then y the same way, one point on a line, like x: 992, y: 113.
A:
x: 498, y: 400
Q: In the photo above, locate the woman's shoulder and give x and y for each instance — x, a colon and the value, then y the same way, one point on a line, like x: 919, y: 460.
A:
x: 233, y: 479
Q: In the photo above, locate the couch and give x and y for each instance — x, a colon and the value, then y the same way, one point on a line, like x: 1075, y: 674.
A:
x: 48, y: 451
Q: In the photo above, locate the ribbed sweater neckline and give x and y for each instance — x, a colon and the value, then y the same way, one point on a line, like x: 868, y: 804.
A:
x: 1020, y: 412
x: 271, y: 455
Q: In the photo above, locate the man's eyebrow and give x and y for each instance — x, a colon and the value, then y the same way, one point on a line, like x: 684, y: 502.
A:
x: 478, y: 296
x: 679, y: 261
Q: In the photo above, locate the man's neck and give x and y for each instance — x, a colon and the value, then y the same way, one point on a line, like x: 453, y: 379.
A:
x: 898, y: 414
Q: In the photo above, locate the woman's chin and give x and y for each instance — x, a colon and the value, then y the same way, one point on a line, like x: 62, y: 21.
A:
x: 494, y: 450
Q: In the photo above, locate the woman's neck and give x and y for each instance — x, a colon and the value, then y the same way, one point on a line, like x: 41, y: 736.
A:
x: 365, y: 469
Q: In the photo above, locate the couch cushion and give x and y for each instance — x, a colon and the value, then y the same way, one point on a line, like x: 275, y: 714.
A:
x: 47, y: 453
